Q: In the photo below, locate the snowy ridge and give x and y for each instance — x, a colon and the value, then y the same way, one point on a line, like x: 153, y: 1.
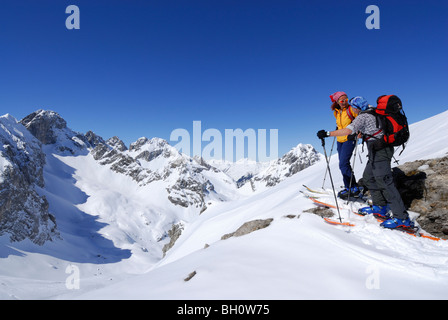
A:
x: 239, y: 168
x: 295, y: 160
x: 252, y: 176
x: 297, y: 256
x: 427, y: 140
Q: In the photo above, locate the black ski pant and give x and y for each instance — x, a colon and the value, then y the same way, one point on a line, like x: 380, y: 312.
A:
x: 380, y: 182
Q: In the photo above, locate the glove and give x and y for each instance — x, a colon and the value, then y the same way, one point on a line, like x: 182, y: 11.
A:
x: 321, y: 134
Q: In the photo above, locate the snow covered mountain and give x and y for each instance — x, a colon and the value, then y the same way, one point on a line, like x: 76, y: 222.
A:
x: 189, y: 181
x: 252, y: 176
x: 241, y: 168
x: 53, y: 178
x: 116, y: 208
x: 42, y: 158
x: 23, y: 212
x: 298, y: 158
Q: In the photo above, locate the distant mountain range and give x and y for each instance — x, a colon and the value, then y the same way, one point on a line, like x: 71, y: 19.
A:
x: 190, y: 184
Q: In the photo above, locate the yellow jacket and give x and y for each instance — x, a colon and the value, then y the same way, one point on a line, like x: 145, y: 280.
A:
x: 343, y: 118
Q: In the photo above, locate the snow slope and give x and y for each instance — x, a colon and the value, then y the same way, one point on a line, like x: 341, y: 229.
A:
x: 299, y: 257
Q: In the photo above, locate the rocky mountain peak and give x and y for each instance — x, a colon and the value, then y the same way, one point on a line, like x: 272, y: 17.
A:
x: 42, y: 124
x: 148, y: 144
x: 116, y: 143
x: 51, y: 129
x: 24, y: 214
x: 94, y: 139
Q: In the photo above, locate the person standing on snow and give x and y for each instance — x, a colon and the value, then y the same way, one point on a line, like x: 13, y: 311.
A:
x: 377, y: 174
x: 345, y: 114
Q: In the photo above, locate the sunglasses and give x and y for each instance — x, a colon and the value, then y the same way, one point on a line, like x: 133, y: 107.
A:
x: 343, y: 100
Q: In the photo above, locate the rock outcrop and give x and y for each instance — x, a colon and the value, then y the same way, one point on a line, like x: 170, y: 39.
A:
x: 24, y: 213
x: 423, y: 185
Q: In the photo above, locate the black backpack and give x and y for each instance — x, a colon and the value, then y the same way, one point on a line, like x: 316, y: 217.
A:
x: 392, y: 120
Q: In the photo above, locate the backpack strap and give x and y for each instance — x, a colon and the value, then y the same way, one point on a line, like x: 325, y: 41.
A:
x: 367, y: 137
x: 349, y: 113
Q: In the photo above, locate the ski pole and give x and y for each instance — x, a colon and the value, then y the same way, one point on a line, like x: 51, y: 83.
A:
x: 331, y: 178
x: 331, y: 152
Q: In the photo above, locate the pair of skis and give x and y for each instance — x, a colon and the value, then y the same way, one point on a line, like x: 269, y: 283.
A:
x: 318, y: 201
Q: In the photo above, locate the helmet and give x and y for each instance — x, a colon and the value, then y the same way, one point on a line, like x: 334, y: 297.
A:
x: 359, y: 103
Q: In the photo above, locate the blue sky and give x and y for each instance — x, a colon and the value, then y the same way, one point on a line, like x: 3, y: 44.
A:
x: 147, y: 67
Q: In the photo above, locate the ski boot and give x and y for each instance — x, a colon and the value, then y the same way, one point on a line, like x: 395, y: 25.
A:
x: 394, y: 223
x: 345, y: 193
x: 381, y: 212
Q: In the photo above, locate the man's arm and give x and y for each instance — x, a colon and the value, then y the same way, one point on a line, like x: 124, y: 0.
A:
x: 340, y: 132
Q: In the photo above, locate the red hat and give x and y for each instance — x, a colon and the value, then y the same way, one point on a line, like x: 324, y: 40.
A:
x: 335, y: 96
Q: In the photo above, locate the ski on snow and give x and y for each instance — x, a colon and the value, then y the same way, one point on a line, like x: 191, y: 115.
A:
x: 316, y: 191
x: 327, y: 205
x: 320, y: 193
x: 316, y: 200
x: 330, y: 221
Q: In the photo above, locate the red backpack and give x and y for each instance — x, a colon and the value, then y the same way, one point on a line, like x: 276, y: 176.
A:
x: 392, y: 120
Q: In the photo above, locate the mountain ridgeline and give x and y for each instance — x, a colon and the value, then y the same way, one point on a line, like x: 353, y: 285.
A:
x: 188, y: 184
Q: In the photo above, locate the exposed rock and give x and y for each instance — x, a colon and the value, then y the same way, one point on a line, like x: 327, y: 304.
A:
x: 174, y: 233
x: 51, y: 129
x: 190, y: 276
x: 248, y: 227
x: 190, y: 192
x: 23, y: 212
x: 423, y: 185
x: 321, y: 212
x: 116, y: 143
x: 42, y: 125
x: 94, y: 139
